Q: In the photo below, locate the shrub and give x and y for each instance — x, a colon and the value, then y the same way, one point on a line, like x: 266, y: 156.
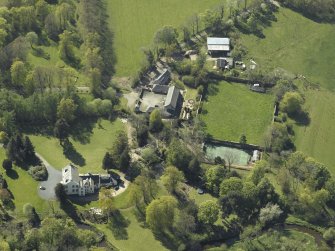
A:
x: 39, y: 173
x: 7, y: 164
x: 189, y: 81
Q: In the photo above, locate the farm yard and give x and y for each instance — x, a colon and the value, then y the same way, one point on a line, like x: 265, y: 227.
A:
x: 231, y: 110
x: 302, y: 46
x: 134, y: 24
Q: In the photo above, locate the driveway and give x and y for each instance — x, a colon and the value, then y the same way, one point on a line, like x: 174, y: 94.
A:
x: 54, y: 177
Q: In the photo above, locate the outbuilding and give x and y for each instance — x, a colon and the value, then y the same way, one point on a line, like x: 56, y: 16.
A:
x: 217, y: 45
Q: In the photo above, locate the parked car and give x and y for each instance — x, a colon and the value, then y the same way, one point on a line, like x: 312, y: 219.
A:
x: 42, y: 188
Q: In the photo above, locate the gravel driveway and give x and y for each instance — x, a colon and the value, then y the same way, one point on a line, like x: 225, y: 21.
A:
x: 54, y: 177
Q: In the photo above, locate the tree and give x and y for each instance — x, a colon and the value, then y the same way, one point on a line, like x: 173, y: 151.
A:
x: 31, y: 215
x: 329, y: 235
x: 60, y: 193
x: 178, y: 154
x: 270, y: 214
x: 172, y: 178
x: 243, y: 139
x: 258, y: 171
x: 160, y: 213
x: 292, y: 103
x: 208, y: 212
x: 155, y: 121
x: 18, y: 73
x: 213, y: 178
x: 106, y: 201
x: 231, y: 184
x: 124, y: 160
x: 107, y: 161
x: 184, y: 224
x: 28, y: 149
x: 7, y: 164
x: 66, y: 110
x: 166, y: 36
x: 230, y: 157
x: 61, y: 130
x: 32, y: 38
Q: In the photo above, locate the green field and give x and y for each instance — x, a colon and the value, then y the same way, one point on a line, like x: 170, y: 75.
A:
x: 302, y: 46
x: 271, y: 239
x: 99, y: 141
x: 134, y: 24
x: 298, y: 45
x: 318, y: 138
x: 232, y: 110
x: 138, y: 237
x: 23, y: 187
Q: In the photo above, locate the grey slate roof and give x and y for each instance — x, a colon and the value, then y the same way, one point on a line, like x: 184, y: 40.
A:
x: 172, y: 97
x: 163, y: 79
x: 160, y: 89
x: 218, y: 44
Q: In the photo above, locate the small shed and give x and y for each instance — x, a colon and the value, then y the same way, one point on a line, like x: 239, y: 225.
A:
x: 225, y: 63
x: 257, y: 88
x: 256, y: 156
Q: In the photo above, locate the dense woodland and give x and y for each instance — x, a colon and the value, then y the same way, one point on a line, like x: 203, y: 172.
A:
x: 243, y: 206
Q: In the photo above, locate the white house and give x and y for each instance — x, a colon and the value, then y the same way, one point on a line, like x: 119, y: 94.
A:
x: 83, y: 184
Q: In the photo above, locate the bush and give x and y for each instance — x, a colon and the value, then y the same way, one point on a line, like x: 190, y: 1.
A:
x: 39, y: 173
x: 189, y: 81
x: 7, y: 164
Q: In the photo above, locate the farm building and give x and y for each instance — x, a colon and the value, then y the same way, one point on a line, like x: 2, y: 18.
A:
x: 160, y: 89
x: 173, y: 102
x: 217, y: 45
x: 225, y: 63
x: 163, y: 78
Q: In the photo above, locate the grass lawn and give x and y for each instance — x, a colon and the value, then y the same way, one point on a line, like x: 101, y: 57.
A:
x: 56, y: 63
x: 318, y: 138
x: 90, y: 153
x: 23, y: 187
x: 232, y: 110
x: 139, y: 238
x: 304, y: 241
x: 298, y: 45
x: 304, y: 47
x: 134, y: 24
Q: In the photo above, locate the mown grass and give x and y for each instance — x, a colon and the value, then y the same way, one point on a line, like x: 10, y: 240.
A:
x: 138, y: 237
x: 231, y: 110
x: 299, y: 45
x: 23, y: 187
x: 98, y: 141
x: 134, y: 24
x: 305, y: 47
x: 318, y: 138
x: 55, y: 63
x: 303, y: 241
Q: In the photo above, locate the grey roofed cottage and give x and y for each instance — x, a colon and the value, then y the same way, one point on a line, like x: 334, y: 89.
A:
x: 173, y: 101
x: 223, y: 62
x: 218, y: 44
x: 163, y: 78
x: 160, y: 89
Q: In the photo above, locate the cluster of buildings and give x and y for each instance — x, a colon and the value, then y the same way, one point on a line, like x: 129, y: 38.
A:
x: 158, y: 94
x: 84, y: 184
